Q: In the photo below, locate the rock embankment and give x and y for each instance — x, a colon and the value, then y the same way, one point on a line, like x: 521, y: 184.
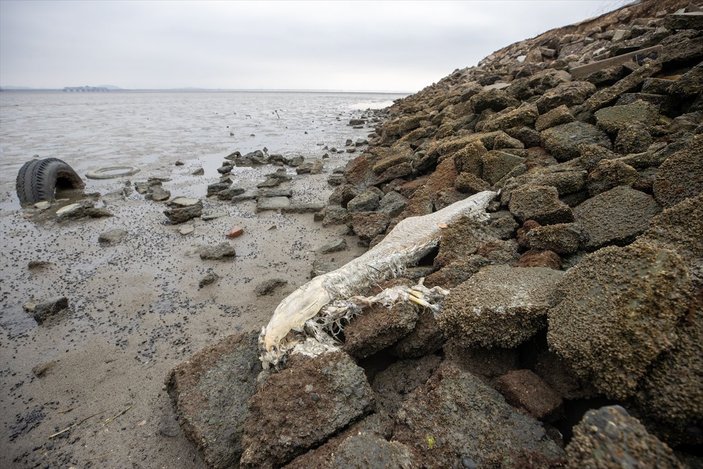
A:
x: 584, y: 288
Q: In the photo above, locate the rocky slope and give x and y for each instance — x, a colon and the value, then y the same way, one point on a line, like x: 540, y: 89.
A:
x: 583, y: 290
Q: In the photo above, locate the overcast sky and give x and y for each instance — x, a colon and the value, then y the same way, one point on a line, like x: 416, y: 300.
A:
x: 389, y: 46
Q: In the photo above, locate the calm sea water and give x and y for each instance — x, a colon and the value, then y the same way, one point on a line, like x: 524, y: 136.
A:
x: 92, y: 130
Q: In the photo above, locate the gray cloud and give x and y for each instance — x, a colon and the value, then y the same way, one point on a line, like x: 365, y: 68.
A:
x: 293, y: 45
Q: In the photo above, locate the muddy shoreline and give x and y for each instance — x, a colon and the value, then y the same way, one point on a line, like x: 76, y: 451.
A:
x: 136, y: 309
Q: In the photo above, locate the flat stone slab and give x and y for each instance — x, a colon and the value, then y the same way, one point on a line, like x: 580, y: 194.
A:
x: 617, y: 311
x: 457, y: 420
x: 616, y: 216
x: 303, y: 405
x: 272, y: 203
x: 500, y: 306
x: 584, y: 70
x: 610, y: 437
x: 210, y: 394
x: 183, y: 202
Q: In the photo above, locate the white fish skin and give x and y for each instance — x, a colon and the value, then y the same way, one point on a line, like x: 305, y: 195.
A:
x: 406, y: 244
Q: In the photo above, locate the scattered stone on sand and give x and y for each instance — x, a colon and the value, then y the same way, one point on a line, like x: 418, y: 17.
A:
x: 82, y: 209
x: 616, y: 216
x: 301, y: 406
x: 114, y: 236
x: 500, y: 306
x: 269, y: 182
x: 209, y: 278
x: 310, y: 167
x: 198, y: 172
x: 378, y: 327
x: 43, y: 205
x: 235, y: 232
x: 269, y: 286
x: 225, y: 168
x: 247, y: 195
x: 38, y: 264
x: 210, y: 393
x: 275, y: 192
x: 47, y: 309
x: 336, y: 245
x: 525, y: 390
x: 321, y: 266
x: 610, y: 437
x: 217, y: 187
x: 230, y: 193
x: 456, y: 420
x: 221, y: 251
x: 182, y: 209
x: 301, y: 207
x: 272, y: 203
x: 186, y: 229
x: 181, y: 202
x: 158, y: 193
x: 213, y: 214
x: 627, y: 300
x: 42, y: 369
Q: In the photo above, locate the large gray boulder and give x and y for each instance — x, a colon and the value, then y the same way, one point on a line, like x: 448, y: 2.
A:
x: 379, y: 327
x: 610, y: 438
x: 539, y: 203
x: 608, y: 174
x: 563, y: 141
x: 301, y: 406
x: 456, y: 420
x: 210, y: 393
x: 613, y: 118
x: 681, y: 174
x: 617, y: 311
x: 568, y: 94
x: 562, y: 238
x: 615, y: 217
x: 500, y: 306
x: 679, y: 228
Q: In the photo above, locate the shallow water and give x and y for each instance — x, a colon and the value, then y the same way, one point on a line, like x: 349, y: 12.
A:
x: 91, y: 130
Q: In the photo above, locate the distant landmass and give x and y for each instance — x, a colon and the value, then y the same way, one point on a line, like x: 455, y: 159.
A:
x: 71, y: 89
x: 91, y: 89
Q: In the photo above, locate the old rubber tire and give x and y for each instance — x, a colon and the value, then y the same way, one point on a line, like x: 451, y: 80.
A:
x: 111, y: 172
x: 38, y: 180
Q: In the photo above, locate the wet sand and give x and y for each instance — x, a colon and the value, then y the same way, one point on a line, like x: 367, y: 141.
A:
x: 136, y: 311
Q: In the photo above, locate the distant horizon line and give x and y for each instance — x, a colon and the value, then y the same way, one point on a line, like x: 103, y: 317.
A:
x: 111, y: 89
